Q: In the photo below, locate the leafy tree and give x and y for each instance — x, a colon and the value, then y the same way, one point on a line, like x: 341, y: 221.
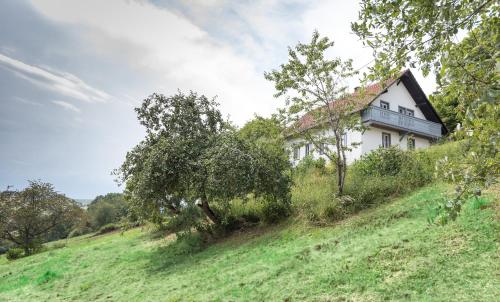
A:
x: 316, y: 102
x: 191, y: 156
x: 469, y: 74
x: 27, y: 216
x: 416, y: 32
x: 266, y: 133
x: 110, y: 208
x: 425, y: 33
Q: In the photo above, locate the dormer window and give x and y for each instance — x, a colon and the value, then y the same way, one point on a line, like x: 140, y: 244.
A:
x: 384, y: 105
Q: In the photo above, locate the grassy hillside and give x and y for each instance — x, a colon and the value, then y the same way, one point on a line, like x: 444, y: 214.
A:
x: 387, y: 253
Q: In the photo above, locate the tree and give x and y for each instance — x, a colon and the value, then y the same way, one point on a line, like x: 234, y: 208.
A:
x: 468, y: 74
x: 317, y: 105
x: 425, y: 33
x: 190, y: 156
x: 110, y: 208
x: 266, y: 133
x: 416, y: 32
x: 27, y: 216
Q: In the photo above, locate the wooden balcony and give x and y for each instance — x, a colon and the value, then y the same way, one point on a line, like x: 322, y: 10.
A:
x: 395, y: 120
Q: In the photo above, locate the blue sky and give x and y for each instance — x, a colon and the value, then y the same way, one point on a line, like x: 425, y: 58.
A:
x: 71, y: 73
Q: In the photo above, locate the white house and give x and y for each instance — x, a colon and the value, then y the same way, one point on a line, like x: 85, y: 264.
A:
x: 397, y: 113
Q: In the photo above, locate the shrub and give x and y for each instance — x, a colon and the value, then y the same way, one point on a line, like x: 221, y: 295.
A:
x: 382, y: 162
x: 308, y: 163
x: 58, y: 245
x: 79, y: 231
x: 376, y: 177
x: 107, y: 228
x: 14, y: 253
x: 274, y: 211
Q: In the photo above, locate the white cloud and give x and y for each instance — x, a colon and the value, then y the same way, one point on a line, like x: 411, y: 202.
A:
x: 179, y: 53
x: 61, y: 82
x: 215, y: 48
x: 66, y: 106
x: 28, y: 102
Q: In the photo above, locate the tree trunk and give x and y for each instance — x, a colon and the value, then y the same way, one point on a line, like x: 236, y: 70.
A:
x: 339, y: 162
x: 208, y: 211
x: 344, y: 171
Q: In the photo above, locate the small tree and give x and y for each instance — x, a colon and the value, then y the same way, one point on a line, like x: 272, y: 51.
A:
x: 27, y: 216
x: 110, y: 208
x: 317, y: 105
x: 191, y: 156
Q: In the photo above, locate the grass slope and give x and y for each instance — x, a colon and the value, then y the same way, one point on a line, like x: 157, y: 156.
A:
x: 388, y: 253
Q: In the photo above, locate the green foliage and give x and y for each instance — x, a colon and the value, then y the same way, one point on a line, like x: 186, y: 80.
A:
x: 467, y: 71
x: 107, y: 228
x: 27, y: 217
x: 382, y: 162
x: 372, y: 180
x: 309, y: 163
x: 388, y: 253
x: 313, y: 193
x: 312, y: 84
x: 192, y: 158
x: 469, y: 74
x: 409, y: 32
x: 14, y: 253
x: 79, y: 231
x: 266, y: 133
x: 110, y: 208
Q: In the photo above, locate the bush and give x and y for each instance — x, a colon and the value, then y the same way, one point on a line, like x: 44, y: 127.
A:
x: 107, y: 228
x: 375, y: 178
x: 308, y: 163
x: 382, y: 162
x: 274, y: 211
x: 313, y: 193
x: 14, y: 253
x: 79, y: 231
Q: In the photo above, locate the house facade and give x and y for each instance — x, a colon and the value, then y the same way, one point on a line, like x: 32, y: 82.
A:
x: 395, y: 114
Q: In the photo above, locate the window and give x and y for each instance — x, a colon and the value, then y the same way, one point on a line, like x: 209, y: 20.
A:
x: 406, y: 111
x: 384, y: 105
x: 386, y: 140
x: 344, y: 140
x: 411, y: 143
x: 296, y: 153
x: 322, y: 148
x: 308, y: 149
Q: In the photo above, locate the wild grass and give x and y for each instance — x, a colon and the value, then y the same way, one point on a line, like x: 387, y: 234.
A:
x: 385, y: 253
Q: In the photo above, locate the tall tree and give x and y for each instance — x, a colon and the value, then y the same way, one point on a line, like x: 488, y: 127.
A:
x: 316, y: 103
x: 27, y: 216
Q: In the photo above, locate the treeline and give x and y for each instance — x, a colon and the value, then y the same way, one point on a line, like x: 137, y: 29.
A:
x: 39, y: 214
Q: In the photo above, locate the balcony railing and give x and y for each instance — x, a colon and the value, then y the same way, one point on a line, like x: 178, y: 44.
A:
x: 396, y: 120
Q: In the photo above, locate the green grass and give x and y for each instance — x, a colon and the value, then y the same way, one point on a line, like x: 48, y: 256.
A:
x: 386, y: 253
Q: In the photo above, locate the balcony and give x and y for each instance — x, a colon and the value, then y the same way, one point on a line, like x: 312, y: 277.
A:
x: 395, y: 120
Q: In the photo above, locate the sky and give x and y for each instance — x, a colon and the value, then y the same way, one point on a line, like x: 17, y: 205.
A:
x: 71, y: 73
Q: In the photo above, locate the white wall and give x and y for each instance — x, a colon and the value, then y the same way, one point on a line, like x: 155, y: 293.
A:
x: 352, y: 137
x: 372, y: 139
x: 398, y: 95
